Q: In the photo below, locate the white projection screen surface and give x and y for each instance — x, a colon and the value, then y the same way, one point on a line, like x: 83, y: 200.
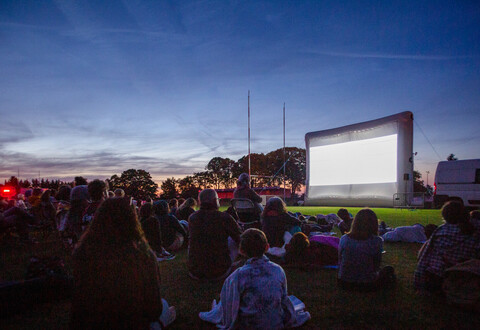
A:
x: 363, y: 164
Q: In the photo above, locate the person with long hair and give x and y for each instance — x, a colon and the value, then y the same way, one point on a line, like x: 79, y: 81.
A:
x: 45, y: 212
x: 276, y: 221
x: 451, y: 243
x: 117, y: 278
x: 360, y: 255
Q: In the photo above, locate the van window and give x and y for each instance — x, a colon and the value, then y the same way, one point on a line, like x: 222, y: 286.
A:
x: 456, y: 176
x: 477, y: 175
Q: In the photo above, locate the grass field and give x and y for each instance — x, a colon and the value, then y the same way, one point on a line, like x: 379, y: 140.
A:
x: 330, y: 307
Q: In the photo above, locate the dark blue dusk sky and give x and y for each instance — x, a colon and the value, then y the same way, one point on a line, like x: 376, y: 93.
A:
x: 97, y: 87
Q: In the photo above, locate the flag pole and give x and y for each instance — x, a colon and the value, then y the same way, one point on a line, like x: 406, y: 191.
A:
x: 249, y: 174
x: 284, y: 165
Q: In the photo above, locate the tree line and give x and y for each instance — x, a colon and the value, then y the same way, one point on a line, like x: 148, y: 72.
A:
x: 266, y: 170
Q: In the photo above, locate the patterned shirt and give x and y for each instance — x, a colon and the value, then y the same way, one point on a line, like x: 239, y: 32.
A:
x: 447, y: 247
x: 264, y: 303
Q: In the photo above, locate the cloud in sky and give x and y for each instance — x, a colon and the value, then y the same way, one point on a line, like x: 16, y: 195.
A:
x: 95, y: 88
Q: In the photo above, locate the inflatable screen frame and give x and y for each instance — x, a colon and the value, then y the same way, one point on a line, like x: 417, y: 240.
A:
x: 363, y: 164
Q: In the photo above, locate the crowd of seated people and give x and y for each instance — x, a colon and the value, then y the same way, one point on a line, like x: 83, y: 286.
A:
x: 123, y: 246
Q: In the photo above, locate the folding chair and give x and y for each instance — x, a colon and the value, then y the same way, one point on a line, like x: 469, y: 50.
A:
x: 247, y: 216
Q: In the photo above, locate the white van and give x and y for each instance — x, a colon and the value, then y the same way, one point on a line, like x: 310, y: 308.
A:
x: 458, y: 180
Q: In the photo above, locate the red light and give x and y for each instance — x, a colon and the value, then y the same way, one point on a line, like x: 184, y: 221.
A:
x: 434, y: 188
x: 7, y: 192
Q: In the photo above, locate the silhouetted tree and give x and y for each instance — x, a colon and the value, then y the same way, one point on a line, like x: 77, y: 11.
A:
x: 169, y: 188
x: 135, y: 183
x: 451, y: 157
x: 295, y: 166
x: 187, y: 187
x: 221, y: 171
x: 418, y: 183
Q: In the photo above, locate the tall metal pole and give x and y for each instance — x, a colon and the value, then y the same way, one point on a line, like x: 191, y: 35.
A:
x: 284, y: 151
x: 249, y: 174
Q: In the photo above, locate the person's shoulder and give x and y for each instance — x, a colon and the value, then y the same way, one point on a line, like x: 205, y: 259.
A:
x: 375, y: 239
x: 276, y: 270
x: 224, y: 216
x: 345, y: 238
x: 195, y: 215
x: 275, y: 266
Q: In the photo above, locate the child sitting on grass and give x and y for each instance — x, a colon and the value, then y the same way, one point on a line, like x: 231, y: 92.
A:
x: 255, y: 295
x: 306, y: 254
x: 360, y: 255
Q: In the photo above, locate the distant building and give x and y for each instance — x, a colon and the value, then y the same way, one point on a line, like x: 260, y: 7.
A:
x: 265, y: 192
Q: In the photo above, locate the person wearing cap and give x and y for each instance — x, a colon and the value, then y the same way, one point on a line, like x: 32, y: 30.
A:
x: 209, y: 255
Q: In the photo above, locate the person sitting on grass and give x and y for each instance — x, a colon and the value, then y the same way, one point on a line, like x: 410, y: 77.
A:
x: 15, y: 218
x: 117, y: 276
x: 45, y: 212
x: 255, y: 295
x: 186, y: 209
x: 119, y: 193
x: 97, y: 191
x: 360, y: 255
x: 214, y: 236
x: 306, y: 254
x: 34, y: 199
x: 346, y: 222
x: 475, y: 220
x: 173, y: 233
x: 173, y: 205
x: 151, y: 228
x: 73, y: 226
x: 452, y: 243
x: 276, y: 221
x: 410, y: 234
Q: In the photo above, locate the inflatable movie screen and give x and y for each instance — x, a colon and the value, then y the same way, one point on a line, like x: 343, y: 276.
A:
x: 364, y: 164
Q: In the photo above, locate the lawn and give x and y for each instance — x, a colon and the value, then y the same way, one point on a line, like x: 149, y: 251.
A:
x: 330, y: 307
